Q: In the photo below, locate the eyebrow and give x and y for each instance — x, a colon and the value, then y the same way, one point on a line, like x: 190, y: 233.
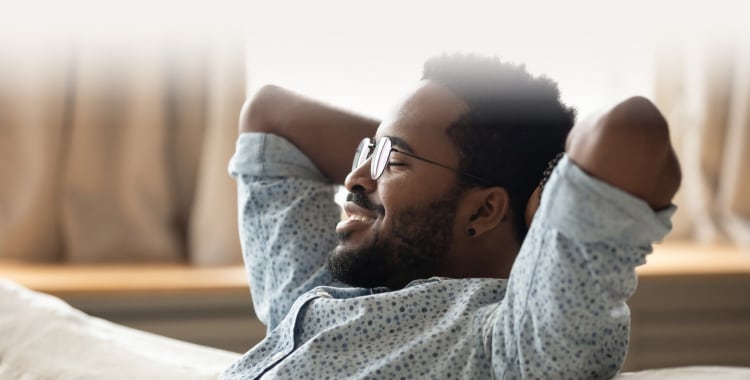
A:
x: 400, y: 143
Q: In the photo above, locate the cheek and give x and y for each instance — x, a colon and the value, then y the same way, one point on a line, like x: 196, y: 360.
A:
x: 393, y: 188
x: 419, y: 185
x: 461, y: 222
x: 393, y: 200
x: 399, y: 195
x: 399, y: 192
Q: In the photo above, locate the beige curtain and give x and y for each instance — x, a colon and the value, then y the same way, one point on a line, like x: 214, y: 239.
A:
x: 704, y: 90
x: 117, y: 152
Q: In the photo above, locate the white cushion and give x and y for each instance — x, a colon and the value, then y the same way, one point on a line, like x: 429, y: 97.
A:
x: 689, y: 373
x: 45, y: 338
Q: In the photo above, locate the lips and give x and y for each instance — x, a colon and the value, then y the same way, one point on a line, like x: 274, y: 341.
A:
x: 361, y: 218
x: 357, y: 218
x: 357, y: 213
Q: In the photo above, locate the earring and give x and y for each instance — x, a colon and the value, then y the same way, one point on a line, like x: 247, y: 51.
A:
x: 471, y: 232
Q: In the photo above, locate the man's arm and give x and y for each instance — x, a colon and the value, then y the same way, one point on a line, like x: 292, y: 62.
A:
x: 629, y: 148
x: 326, y: 134
x: 564, y: 314
x: 287, y: 212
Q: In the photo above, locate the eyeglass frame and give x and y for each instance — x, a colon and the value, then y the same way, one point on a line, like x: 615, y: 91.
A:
x: 374, y: 155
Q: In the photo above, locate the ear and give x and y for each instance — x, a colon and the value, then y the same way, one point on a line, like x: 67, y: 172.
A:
x: 486, y: 208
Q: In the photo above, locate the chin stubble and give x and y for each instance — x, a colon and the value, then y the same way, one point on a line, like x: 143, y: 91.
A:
x: 416, y: 242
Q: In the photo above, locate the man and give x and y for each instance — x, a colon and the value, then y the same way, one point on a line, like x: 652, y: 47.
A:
x: 439, y: 271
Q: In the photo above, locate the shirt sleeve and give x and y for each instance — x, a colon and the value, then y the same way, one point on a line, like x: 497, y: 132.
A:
x: 287, y: 218
x: 564, y: 312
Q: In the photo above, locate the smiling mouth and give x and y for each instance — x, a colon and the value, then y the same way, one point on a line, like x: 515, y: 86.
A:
x: 357, y: 218
x: 355, y: 212
x: 360, y: 218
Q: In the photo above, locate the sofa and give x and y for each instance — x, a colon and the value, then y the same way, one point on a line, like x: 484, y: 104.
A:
x: 43, y: 337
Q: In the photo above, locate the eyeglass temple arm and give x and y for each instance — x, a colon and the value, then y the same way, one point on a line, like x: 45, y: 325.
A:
x: 480, y: 179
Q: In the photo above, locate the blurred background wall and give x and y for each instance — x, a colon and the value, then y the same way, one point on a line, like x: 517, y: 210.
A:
x: 116, y: 125
x: 117, y: 120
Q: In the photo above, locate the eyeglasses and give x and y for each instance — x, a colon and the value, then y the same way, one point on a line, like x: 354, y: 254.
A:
x: 381, y: 156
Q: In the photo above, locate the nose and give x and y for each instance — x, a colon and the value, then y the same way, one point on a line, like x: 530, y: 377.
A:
x: 360, y: 178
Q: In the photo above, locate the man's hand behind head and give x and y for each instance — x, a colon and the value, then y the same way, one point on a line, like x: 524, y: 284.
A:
x: 629, y: 147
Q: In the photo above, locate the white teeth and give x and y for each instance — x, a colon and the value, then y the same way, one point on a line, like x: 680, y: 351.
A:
x: 360, y: 218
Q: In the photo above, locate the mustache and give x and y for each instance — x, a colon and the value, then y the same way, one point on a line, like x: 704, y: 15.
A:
x: 359, y: 198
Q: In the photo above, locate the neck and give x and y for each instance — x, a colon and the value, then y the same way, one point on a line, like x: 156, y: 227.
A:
x: 488, y: 256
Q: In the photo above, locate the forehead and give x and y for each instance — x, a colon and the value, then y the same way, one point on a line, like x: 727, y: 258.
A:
x: 422, y: 119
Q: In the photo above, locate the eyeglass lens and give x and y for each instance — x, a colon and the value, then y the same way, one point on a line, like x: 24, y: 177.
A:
x: 380, y: 157
x: 361, y: 154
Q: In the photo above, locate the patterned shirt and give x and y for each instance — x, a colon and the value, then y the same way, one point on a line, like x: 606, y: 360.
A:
x: 561, y: 314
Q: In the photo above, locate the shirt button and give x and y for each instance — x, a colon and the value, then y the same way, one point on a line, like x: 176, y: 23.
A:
x: 277, y: 356
x: 321, y: 293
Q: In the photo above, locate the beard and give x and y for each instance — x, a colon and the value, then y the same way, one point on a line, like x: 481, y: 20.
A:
x: 410, y: 249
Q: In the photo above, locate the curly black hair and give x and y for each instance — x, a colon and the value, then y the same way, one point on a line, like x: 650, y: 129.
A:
x: 514, y: 126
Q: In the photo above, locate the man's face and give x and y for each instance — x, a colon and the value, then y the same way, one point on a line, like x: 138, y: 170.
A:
x: 402, y: 225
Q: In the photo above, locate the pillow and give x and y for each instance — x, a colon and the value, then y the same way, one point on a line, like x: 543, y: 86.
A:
x: 45, y: 338
x: 689, y: 373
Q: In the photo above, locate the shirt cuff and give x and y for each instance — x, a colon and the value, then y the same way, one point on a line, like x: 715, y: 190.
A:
x: 269, y: 155
x: 587, y: 209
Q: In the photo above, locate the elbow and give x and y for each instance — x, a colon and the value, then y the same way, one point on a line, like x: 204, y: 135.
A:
x: 646, y: 131
x: 257, y: 114
x: 629, y: 147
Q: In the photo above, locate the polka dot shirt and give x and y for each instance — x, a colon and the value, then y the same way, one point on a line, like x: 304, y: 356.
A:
x: 561, y: 314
